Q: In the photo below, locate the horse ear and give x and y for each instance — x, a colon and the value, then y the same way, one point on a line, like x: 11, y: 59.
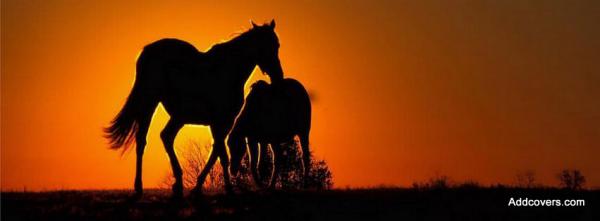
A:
x: 253, y: 24
x: 272, y: 23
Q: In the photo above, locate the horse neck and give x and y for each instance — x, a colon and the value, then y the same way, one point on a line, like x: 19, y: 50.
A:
x: 243, y: 59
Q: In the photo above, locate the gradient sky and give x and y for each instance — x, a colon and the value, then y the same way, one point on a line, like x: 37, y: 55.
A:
x: 402, y: 91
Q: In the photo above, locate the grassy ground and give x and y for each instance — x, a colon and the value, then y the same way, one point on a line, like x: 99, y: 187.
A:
x: 359, y: 204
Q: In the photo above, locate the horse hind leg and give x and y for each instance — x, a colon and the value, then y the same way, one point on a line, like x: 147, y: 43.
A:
x: 140, y: 140
x: 255, y: 159
x: 140, y: 146
x: 168, y: 135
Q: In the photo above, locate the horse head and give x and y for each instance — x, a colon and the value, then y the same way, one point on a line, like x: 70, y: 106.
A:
x: 254, y: 103
x: 267, y: 50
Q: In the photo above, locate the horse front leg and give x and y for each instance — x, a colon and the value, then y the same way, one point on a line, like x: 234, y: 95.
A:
x: 254, y: 161
x: 224, y: 159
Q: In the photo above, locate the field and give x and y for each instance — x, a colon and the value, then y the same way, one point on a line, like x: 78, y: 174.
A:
x: 342, y: 204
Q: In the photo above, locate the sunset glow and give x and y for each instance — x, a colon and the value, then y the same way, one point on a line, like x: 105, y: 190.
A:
x: 401, y: 91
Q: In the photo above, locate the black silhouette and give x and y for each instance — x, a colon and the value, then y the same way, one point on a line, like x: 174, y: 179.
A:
x: 273, y: 114
x: 571, y: 179
x: 195, y: 88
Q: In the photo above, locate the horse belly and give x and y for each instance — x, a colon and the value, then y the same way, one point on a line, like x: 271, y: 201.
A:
x: 188, y: 111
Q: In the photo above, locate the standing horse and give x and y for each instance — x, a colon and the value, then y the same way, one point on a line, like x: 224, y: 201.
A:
x: 194, y: 88
x: 273, y: 114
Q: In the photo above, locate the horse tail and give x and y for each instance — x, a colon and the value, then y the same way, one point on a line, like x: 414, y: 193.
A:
x: 124, y: 127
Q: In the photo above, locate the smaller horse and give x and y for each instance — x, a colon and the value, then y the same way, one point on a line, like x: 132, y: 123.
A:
x: 272, y: 114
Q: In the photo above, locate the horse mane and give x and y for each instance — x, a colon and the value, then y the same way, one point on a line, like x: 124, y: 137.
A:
x: 236, y: 40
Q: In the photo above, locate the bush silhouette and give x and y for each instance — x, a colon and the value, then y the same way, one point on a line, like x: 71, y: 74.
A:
x: 526, y: 179
x: 292, y: 170
x: 291, y: 173
x: 436, y: 182
x: 320, y: 176
x: 194, y: 157
x: 243, y: 180
x: 469, y: 184
x: 571, y: 179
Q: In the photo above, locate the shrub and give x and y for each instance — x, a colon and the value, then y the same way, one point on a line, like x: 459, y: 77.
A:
x: 291, y: 167
x: 439, y: 182
x: 436, y: 182
x: 321, y: 177
x: 526, y: 179
x: 469, y: 184
x: 193, y: 159
x: 292, y: 170
x: 571, y: 179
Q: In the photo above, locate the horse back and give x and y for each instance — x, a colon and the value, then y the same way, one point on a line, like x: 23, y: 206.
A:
x: 281, y: 113
x: 297, y: 102
x: 185, y: 81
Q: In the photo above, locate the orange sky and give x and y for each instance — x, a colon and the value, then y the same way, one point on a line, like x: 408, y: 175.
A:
x: 402, y: 91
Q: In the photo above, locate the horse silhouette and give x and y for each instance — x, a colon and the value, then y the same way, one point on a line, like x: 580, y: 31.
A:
x: 272, y: 114
x: 203, y: 88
